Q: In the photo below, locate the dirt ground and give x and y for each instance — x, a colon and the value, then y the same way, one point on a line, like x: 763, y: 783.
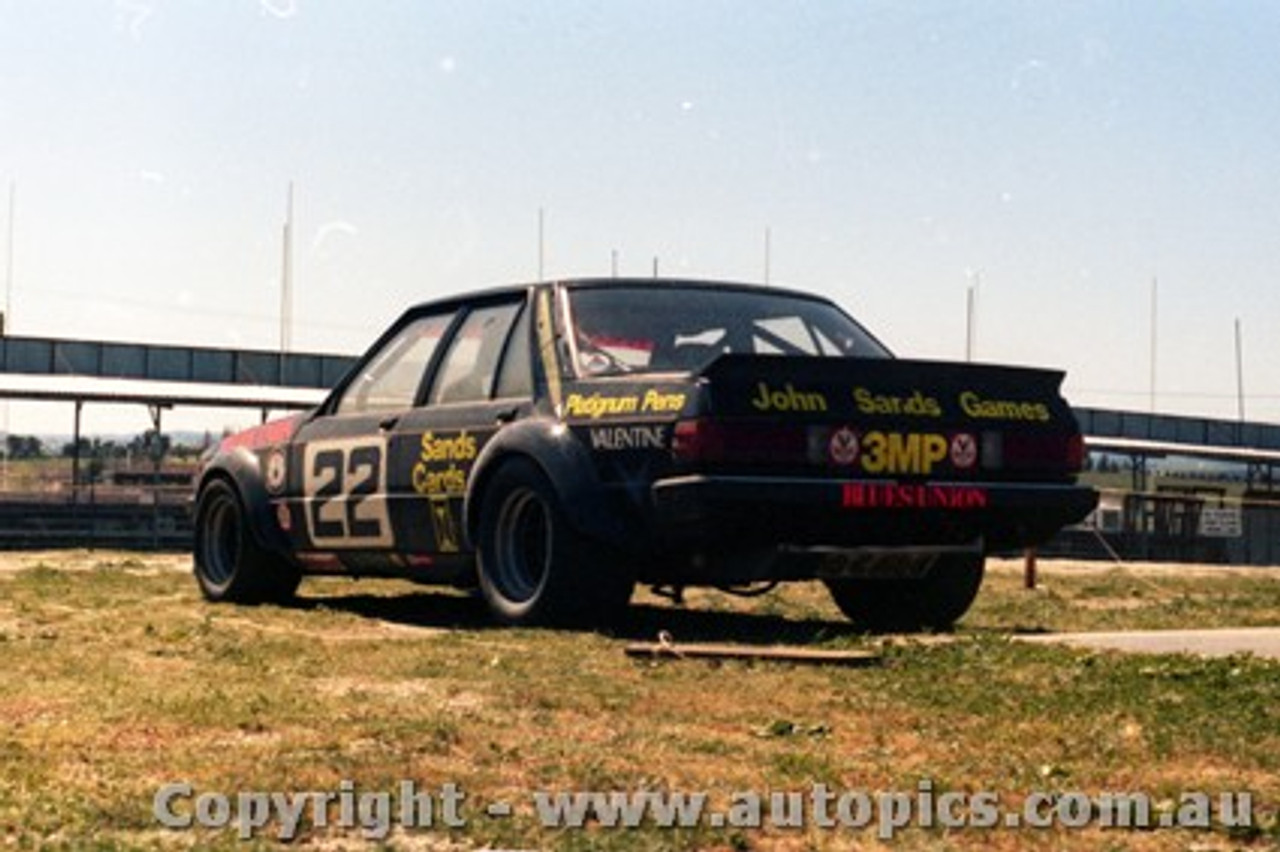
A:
x: 72, y: 560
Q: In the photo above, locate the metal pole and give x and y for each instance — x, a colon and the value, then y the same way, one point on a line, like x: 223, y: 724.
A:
x: 971, y: 314
x: 286, y: 280
x: 1155, y: 301
x: 1239, y: 371
x: 6, y: 326
x: 542, y: 243
x: 80, y: 406
x: 768, y: 254
x: 8, y: 280
x: 75, y: 469
x: 968, y: 324
x: 95, y: 467
x: 157, y: 456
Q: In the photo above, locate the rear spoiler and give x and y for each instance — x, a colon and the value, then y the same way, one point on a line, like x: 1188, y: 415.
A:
x: 940, y: 392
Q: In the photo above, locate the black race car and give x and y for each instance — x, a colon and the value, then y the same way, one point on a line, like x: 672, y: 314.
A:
x: 555, y: 444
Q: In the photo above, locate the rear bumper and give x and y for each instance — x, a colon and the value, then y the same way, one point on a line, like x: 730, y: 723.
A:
x: 736, y: 511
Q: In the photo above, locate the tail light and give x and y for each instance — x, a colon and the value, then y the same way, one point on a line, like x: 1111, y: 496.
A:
x: 697, y: 440
x: 705, y: 440
x: 1043, y: 452
x: 1076, y: 453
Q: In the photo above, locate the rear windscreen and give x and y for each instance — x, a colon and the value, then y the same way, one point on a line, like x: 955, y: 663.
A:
x: 630, y: 329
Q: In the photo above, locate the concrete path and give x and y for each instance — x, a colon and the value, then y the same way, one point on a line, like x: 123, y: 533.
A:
x: 1260, y: 641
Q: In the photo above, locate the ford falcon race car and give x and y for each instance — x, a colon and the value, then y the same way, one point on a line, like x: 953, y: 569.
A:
x: 555, y: 444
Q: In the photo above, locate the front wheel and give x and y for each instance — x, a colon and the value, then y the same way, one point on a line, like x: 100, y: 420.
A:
x: 535, y: 567
x: 932, y: 602
x: 230, y: 565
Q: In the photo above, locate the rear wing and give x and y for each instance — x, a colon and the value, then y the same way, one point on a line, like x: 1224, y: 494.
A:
x: 936, y: 392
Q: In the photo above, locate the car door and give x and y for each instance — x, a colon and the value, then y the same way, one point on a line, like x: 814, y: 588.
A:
x: 483, y: 380
x: 341, y: 457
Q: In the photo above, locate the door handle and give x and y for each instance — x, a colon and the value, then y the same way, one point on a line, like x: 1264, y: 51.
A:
x: 506, y: 415
x: 386, y: 424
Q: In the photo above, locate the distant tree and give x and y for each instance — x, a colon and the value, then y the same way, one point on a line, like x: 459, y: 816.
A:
x: 85, y: 446
x: 185, y: 451
x: 24, y: 447
x: 151, y: 444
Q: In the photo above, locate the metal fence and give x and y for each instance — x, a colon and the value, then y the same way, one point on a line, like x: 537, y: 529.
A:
x: 1140, y: 523
x: 103, y: 359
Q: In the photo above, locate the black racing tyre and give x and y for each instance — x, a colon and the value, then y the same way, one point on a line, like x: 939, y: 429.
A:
x: 932, y: 602
x: 535, y: 567
x: 230, y: 565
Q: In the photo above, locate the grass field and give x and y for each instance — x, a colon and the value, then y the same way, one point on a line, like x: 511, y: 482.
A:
x: 118, y: 680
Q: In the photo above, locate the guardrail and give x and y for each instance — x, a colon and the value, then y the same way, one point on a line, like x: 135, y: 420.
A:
x: 83, y: 371
x: 151, y: 362
x: 27, y: 523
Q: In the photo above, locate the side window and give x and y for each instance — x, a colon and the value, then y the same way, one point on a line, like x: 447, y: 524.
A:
x: 515, y: 376
x: 390, y: 379
x: 471, y: 362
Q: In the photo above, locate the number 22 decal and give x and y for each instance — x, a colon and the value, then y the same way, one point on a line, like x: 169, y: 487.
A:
x: 344, y: 483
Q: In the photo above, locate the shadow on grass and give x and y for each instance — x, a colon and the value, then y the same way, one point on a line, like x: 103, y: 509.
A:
x: 639, y: 622
x: 645, y: 622
x: 431, y: 609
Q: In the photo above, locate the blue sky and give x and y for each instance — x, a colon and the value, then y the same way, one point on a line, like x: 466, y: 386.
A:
x: 1062, y: 155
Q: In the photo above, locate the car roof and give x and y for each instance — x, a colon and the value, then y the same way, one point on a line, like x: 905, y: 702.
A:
x: 697, y: 283
x: 500, y: 291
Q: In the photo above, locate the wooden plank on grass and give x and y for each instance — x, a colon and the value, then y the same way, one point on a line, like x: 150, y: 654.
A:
x: 768, y: 653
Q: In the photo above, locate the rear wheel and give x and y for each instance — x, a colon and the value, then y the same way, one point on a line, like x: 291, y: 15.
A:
x: 230, y: 565
x: 932, y: 602
x: 535, y: 567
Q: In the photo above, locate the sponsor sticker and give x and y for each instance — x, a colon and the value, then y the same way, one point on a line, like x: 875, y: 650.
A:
x: 896, y: 452
x: 892, y: 495
x: 443, y: 525
x: 662, y: 402
x: 617, y: 438
x: 284, y: 517
x: 983, y: 408
x: 787, y: 398
x: 596, y: 405
x: 843, y: 446
x: 274, y: 477
x: 893, y: 453
x: 444, y: 463
x: 915, y: 405
x: 964, y: 451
